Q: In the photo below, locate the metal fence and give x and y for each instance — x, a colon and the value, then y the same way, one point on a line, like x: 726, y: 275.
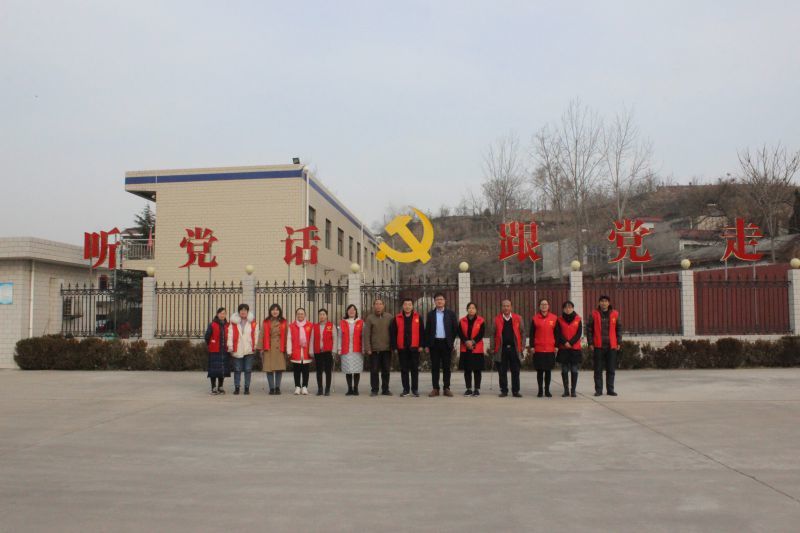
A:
x: 89, y: 311
x: 649, y: 305
x: 311, y: 296
x: 421, y: 292
x: 185, y: 310
x: 741, y: 306
x: 525, y: 296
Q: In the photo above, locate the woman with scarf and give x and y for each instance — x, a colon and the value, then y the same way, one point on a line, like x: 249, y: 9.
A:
x: 298, y: 346
x: 349, y: 347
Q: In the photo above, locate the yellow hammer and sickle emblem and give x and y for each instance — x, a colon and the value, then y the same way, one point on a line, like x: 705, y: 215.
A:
x: 419, y: 249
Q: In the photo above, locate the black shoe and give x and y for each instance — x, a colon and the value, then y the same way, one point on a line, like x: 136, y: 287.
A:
x: 503, y: 394
x: 415, y: 393
x: 236, y: 391
x: 517, y: 395
x: 540, y: 394
x: 404, y: 394
x: 468, y: 392
x: 277, y: 391
x: 373, y: 393
x: 547, y: 393
x: 319, y: 392
x: 271, y: 392
x: 476, y: 392
x: 220, y: 390
x: 349, y: 393
x: 355, y: 392
x: 573, y: 394
x: 611, y: 393
x: 386, y: 393
x: 566, y: 394
x: 598, y: 393
x: 213, y: 392
x: 327, y: 392
x: 246, y: 391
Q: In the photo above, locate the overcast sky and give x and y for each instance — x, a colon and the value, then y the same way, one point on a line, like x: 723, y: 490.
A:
x: 393, y: 102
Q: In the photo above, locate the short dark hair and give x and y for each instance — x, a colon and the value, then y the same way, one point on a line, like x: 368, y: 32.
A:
x: 568, y: 302
x: 603, y: 297
x: 472, y: 303
x: 303, y: 309
x: 439, y: 294
x: 323, y: 310
x: 243, y: 306
x: 407, y: 300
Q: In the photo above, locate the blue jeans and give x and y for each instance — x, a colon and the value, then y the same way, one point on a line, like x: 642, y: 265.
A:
x: 243, y: 364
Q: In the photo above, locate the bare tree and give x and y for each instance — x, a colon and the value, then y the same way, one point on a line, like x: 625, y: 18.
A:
x: 627, y: 159
x: 768, y: 173
x: 549, y: 179
x: 580, y: 139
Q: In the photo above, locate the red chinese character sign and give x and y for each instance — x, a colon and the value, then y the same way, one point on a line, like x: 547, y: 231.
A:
x: 198, y: 242
x: 519, y: 239
x: 738, y: 238
x: 97, y: 246
x: 298, y: 241
x: 628, y: 236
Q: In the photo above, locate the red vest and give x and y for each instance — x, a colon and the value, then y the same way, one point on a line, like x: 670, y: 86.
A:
x: 612, y: 329
x: 476, y: 327
x: 570, y: 330
x: 300, y: 353
x: 345, y: 327
x: 544, y: 337
x: 400, y: 320
x: 516, y: 321
x: 216, y: 335
x: 323, y: 340
x: 235, y: 328
x: 268, y: 334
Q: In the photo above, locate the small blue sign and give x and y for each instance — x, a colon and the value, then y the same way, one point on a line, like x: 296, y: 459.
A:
x: 6, y: 293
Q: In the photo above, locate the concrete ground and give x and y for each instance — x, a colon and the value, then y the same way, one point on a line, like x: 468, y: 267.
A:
x: 152, y: 451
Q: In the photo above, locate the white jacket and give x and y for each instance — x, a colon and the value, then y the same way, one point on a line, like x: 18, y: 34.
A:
x: 248, y: 331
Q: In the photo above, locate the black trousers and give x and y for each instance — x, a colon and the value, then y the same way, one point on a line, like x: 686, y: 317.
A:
x: 409, y: 366
x: 441, y: 360
x: 509, y: 360
x: 604, y: 358
x: 379, y: 365
x: 300, y: 373
x: 468, y: 378
x: 324, y: 365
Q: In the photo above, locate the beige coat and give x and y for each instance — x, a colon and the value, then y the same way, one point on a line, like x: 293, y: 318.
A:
x: 274, y: 359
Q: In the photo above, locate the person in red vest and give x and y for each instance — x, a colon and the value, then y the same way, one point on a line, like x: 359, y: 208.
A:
x: 273, y: 348
x: 241, y: 340
x: 471, y: 330
x: 604, y: 331
x: 349, y: 348
x: 298, y: 346
x: 217, y: 353
x: 543, y: 346
x: 507, y: 348
x: 324, y: 335
x: 568, y: 336
x: 406, y: 335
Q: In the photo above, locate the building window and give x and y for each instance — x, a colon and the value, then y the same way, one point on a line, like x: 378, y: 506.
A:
x: 358, y: 253
x: 327, y: 234
x: 340, y: 242
x: 312, y: 216
x: 350, y: 250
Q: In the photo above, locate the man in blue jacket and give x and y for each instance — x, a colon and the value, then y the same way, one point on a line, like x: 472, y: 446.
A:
x: 441, y: 328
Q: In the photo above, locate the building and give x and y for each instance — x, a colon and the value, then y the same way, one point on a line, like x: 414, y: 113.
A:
x: 248, y: 210
x: 32, y: 272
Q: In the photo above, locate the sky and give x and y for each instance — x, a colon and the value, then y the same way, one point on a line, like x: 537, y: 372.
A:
x: 395, y: 98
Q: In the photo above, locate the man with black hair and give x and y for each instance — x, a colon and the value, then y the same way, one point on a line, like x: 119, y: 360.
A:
x: 441, y: 328
x: 604, y: 332
x: 407, y: 335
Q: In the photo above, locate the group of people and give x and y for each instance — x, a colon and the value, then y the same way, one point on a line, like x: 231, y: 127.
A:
x: 233, y: 346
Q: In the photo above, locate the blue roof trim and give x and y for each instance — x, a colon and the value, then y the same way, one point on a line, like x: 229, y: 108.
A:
x: 218, y: 176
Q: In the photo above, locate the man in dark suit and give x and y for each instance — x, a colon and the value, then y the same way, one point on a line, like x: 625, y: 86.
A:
x: 441, y: 328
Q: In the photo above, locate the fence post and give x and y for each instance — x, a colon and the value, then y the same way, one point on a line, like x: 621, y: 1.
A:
x: 149, y: 308
x: 464, y: 293
x: 794, y: 301
x: 354, y: 290
x: 57, y: 308
x: 249, y: 292
x: 688, y: 317
x: 576, y: 290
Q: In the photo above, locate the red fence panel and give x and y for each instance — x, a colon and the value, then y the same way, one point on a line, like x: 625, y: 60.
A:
x: 650, y: 305
x: 741, y: 305
x: 525, y: 297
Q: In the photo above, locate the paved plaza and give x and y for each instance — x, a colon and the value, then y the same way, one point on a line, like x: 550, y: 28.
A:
x: 152, y: 451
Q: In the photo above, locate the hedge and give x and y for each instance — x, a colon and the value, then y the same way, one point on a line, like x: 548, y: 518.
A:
x: 55, y: 352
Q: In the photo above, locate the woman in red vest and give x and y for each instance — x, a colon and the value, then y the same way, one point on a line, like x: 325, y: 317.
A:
x: 218, y: 369
x: 471, y: 330
x: 273, y: 347
x: 351, y: 337
x: 543, y: 345
x: 324, y: 340
x: 568, y: 337
x: 298, y: 346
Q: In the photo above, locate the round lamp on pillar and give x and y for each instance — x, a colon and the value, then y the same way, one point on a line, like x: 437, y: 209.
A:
x: 795, y: 263
x: 686, y: 264
x: 249, y: 269
x: 463, y: 266
x: 151, y: 271
x: 575, y: 265
x: 355, y: 268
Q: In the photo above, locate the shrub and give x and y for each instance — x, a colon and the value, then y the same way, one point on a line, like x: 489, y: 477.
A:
x: 629, y: 356
x: 92, y: 353
x: 673, y: 355
x: 730, y: 353
x: 138, y: 357
x: 175, y: 355
x: 38, y: 353
x: 759, y: 353
x: 698, y: 354
x: 787, y: 351
x: 68, y: 356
